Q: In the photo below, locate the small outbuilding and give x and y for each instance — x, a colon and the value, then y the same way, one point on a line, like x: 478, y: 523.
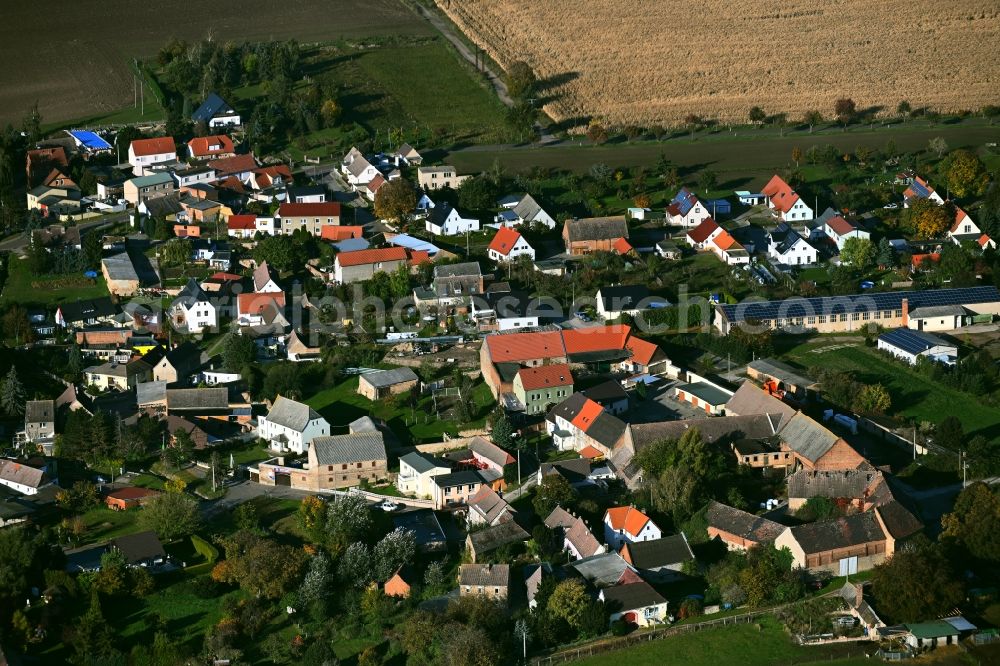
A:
x: 375, y: 385
x: 910, y: 346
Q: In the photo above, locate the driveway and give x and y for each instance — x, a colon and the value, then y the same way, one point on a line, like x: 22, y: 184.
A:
x: 661, y: 405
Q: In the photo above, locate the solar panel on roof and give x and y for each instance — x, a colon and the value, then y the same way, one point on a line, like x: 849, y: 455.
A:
x: 919, y: 189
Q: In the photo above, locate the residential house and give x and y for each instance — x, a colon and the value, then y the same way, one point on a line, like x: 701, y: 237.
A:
x: 738, y: 529
x: 667, y: 249
x: 258, y: 310
x: 217, y: 146
x: 312, y: 217
x: 299, y: 349
x: 579, y: 422
x: 576, y: 471
x: 836, y: 314
x: 660, y: 560
x: 596, y: 234
x: 357, y: 169
x: 455, y: 488
x: 508, y: 245
x: 337, y: 236
x: 436, y: 177
x: 234, y: 171
x: 39, y: 421
x: 523, y: 210
x: 613, y: 302
x: 784, y: 202
x: 500, y: 356
x: 484, y: 580
x: 627, y: 524
x: 23, y: 478
x: 443, y: 220
x: 910, y: 346
x: 416, y: 470
x: 577, y: 539
x: 481, y: 542
x: 54, y: 201
x: 685, y: 210
x: 192, y: 176
x: 371, y: 189
x: 407, y: 155
x: 142, y: 549
x: 117, y: 376
x: 488, y: 456
x: 138, y: 190
x: 343, y: 461
x: 41, y: 161
x: 920, y: 189
x: 610, y: 395
x: 533, y: 575
x: 144, y: 153
x: 120, y: 274
x: 964, y: 230
x: 192, y: 311
x: 839, y: 230
x: 786, y: 246
x: 636, y: 603
x: 701, y: 236
x: 401, y: 583
x: 455, y: 284
x: 486, y: 507
x: 178, y: 363
x: 198, y: 435
x: 122, y: 499
x: 216, y: 112
x: 540, y: 387
x: 384, y: 383
x: 264, y: 280
x: 728, y: 250
x: 362, y: 265
x: 305, y: 194
x: 90, y: 312
x: 291, y: 425
x: 646, y: 358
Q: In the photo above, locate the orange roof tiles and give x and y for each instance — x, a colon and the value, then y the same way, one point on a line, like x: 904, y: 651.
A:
x: 418, y: 257
x: 591, y: 453
x: 585, y: 418
x: 256, y: 302
x: 960, y: 216
x: 504, y: 241
x: 545, y: 376
x: 627, y: 518
x: 331, y: 209
x: 595, y: 338
x: 724, y: 241
x: 622, y: 246
x: 918, y: 260
x: 360, y: 257
x: 984, y: 240
x: 518, y: 347
x: 233, y: 165
x: 335, y: 233
x: 157, y: 146
x: 248, y: 222
x: 642, y: 350
x: 209, y: 146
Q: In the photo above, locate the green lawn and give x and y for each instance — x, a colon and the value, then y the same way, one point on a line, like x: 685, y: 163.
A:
x: 22, y: 287
x: 341, y: 404
x: 762, y: 644
x: 104, y: 524
x: 913, y: 395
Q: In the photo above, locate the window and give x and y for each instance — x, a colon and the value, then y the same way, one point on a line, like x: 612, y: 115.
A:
x: 899, y: 313
x: 866, y: 315
x: 359, y: 465
x: 344, y: 466
x: 843, y: 317
x: 496, y: 590
x: 855, y: 316
x: 374, y: 463
x: 329, y: 468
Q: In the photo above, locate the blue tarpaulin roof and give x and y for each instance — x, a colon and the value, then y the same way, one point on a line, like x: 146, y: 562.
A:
x: 90, y: 140
x: 412, y: 243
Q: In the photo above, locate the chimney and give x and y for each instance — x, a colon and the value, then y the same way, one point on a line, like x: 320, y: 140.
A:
x: 906, y: 313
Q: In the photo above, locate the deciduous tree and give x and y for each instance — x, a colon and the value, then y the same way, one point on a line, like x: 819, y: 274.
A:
x: 569, y: 601
x: 757, y: 115
x: 553, y: 491
x: 859, y: 253
x: 927, y: 219
x: 844, y: 110
x: 938, y: 146
x: 348, y: 519
x: 520, y: 79
x: 974, y: 523
x: 965, y: 173
x: 873, y: 399
x: 396, y: 200
x: 918, y: 583
x: 171, y: 515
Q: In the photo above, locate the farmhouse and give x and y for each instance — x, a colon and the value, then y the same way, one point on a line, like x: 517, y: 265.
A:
x: 817, y: 448
x: 835, y: 314
x: 596, y: 234
x: 216, y: 112
x: 660, y: 560
x: 578, y: 422
x: 910, y: 345
x: 312, y: 217
x: 361, y: 265
x: 784, y: 202
x: 481, y: 542
x: 381, y: 384
x: 436, y: 177
x: 444, y: 220
x: 577, y: 538
x: 484, y: 580
x: 738, y: 529
x: 685, y: 210
x: 861, y: 488
x: 144, y: 153
x: 636, y: 603
x: 508, y: 245
x: 23, y: 478
x: 342, y: 461
x: 538, y: 388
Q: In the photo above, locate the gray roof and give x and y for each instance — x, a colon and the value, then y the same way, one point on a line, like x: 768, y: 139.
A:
x: 386, y: 378
x: 937, y: 311
x: 601, y: 570
x: 358, y: 166
x: 582, y: 538
x: 489, y: 504
x: 913, y: 342
x: 464, y: 477
x: 468, y: 268
x: 487, y: 575
x: 632, y: 596
x: 527, y: 208
x: 198, y: 398
x: 212, y: 107
x: 191, y: 293
x: 758, y: 426
x: 291, y: 414
x: 139, y: 547
x: 39, y: 411
x: 119, y: 267
x: 560, y: 517
x: 491, y: 538
x: 16, y: 472
x: 707, y: 392
x: 149, y: 392
x: 741, y: 523
x: 808, y: 438
x: 490, y: 451
x: 780, y: 371
x: 661, y: 552
x: 597, y: 228
x: 840, y: 484
x: 845, y: 532
x: 353, y: 448
x: 161, y: 207
x: 420, y: 462
x: 574, y: 470
x: 749, y: 399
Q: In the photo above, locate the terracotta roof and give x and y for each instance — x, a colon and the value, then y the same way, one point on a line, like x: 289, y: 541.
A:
x: 332, y: 232
x: 248, y: 222
x: 622, y: 246
x: 545, y: 376
x: 361, y: 257
x: 517, y: 347
x: 418, y: 257
x: 254, y: 303
x: 504, y: 241
x: 917, y: 260
x: 724, y: 241
x: 157, y: 146
x: 309, y: 210
x: 587, y: 414
x: 233, y: 165
x: 642, y: 350
x: 222, y: 276
x: 628, y: 518
x: 595, y: 338
x: 207, y: 146
x: 839, y: 225
x: 591, y: 453
x: 375, y: 183
x: 131, y: 492
x: 984, y: 240
x: 701, y: 233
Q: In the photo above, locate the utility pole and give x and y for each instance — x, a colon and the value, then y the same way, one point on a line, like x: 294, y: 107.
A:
x: 142, y: 99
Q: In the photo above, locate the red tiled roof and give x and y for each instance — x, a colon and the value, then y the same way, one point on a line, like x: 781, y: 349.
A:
x: 724, y: 241
x: 504, y: 241
x: 131, y: 493
x: 157, y: 146
x: 622, y: 246
x: 917, y: 260
x: 375, y: 183
x: 585, y: 418
x: 701, y: 233
x: 839, y: 225
x: 332, y: 232
x: 276, y: 170
x: 775, y: 186
x: 242, y: 222
x: 781, y: 194
x: 517, y: 347
x: 591, y: 452
x: 628, y: 518
x: 222, y: 276
x: 207, y: 146
x: 327, y: 209
x: 361, y: 257
x: 234, y: 184
x: 984, y: 240
x: 545, y: 376
x: 232, y: 165
x: 595, y: 338
x: 254, y: 302
x: 642, y: 350
x: 418, y: 257
x: 960, y: 217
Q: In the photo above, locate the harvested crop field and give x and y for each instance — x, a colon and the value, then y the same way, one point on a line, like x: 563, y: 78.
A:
x: 648, y: 62
x: 73, y: 56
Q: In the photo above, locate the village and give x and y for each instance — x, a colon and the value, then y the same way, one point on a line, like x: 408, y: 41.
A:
x: 471, y: 425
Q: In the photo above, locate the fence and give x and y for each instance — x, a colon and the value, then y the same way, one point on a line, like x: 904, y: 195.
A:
x: 408, y: 501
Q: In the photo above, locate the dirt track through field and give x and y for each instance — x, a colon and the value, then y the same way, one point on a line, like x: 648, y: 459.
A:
x: 72, y: 57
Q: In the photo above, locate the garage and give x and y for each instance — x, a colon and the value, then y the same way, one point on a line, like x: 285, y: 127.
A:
x: 282, y: 479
